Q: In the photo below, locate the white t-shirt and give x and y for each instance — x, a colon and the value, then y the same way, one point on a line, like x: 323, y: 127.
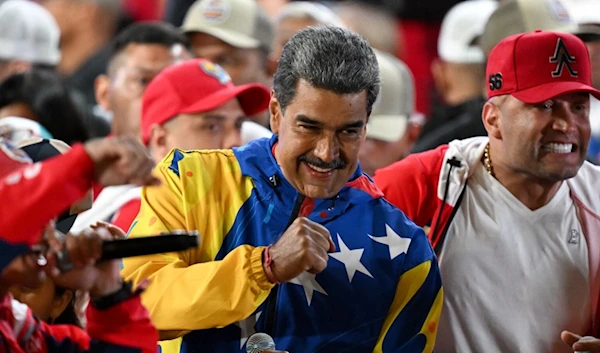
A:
x: 513, y: 278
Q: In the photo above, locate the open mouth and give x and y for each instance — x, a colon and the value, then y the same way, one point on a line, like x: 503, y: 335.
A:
x: 561, y: 148
x: 317, y: 169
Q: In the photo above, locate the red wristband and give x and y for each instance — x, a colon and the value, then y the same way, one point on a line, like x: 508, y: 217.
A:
x: 268, y: 270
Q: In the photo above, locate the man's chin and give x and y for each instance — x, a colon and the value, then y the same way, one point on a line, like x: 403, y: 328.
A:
x: 318, y: 192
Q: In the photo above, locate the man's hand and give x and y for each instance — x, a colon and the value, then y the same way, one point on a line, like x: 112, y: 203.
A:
x: 120, y: 160
x: 591, y: 345
x: 83, y: 250
x: 302, y: 247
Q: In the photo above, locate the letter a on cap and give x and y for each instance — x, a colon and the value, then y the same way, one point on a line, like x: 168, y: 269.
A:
x: 562, y: 58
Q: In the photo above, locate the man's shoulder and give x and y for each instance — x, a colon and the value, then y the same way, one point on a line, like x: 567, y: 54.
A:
x: 585, y: 185
x: 188, y: 162
x: 386, y: 213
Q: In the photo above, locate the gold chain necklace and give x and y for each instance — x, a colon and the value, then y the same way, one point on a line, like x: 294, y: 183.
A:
x: 487, y: 161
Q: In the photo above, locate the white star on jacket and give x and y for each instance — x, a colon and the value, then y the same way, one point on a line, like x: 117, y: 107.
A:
x: 350, y: 259
x: 309, y: 283
x: 247, y: 327
x: 397, y: 245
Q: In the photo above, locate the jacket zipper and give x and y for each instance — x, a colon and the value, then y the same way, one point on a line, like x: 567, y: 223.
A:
x: 272, y: 300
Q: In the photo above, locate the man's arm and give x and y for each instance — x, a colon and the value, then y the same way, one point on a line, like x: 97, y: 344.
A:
x: 34, y: 194
x: 412, y: 321
x: 189, y: 290
x: 411, y: 184
x: 122, y: 327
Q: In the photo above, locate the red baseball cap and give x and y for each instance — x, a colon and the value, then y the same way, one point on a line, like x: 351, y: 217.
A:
x: 540, y: 65
x: 195, y: 86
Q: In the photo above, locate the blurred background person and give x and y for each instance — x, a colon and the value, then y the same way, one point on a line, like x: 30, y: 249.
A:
x: 42, y: 96
x: 298, y: 15
x: 586, y: 13
x: 236, y: 35
x: 378, y: 26
x: 392, y: 127
x: 29, y: 37
x: 137, y: 55
x: 459, y: 76
x: 86, y: 29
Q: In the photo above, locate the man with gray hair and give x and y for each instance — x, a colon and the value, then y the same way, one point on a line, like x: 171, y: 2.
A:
x: 296, y: 242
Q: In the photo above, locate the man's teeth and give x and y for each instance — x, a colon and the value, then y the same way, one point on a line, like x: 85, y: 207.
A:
x: 320, y: 170
x: 558, y: 147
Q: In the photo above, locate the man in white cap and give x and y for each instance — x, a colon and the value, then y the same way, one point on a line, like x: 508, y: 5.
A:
x: 392, y: 128
x: 235, y: 34
x: 29, y: 36
x: 519, y: 16
x: 459, y: 76
x: 298, y: 15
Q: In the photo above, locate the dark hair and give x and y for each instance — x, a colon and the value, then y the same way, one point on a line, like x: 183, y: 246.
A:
x: 47, y: 95
x: 146, y: 33
x: 330, y: 58
x: 69, y: 315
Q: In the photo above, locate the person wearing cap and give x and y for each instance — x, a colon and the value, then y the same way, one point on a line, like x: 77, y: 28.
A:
x: 238, y: 36
x: 297, y: 15
x: 391, y: 129
x: 29, y: 36
x: 190, y: 105
x: 520, y: 16
x: 296, y: 241
x: 514, y: 216
x: 459, y: 76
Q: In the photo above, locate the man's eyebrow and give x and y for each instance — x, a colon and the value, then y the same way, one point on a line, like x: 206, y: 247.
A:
x: 307, y: 120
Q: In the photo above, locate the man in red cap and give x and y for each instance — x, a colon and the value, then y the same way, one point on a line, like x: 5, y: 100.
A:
x: 514, y: 216
x: 193, y: 105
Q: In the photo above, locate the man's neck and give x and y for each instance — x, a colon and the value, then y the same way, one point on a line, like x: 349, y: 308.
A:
x: 532, y: 192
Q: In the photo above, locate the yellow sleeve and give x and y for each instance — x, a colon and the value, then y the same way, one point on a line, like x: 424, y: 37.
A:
x: 190, y: 290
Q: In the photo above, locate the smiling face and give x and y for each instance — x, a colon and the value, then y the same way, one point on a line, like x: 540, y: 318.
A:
x: 320, y: 134
x: 547, y: 141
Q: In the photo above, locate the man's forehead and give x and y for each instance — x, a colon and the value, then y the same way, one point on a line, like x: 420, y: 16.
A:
x: 153, y: 51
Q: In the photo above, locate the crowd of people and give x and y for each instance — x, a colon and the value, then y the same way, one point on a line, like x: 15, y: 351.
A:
x: 342, y: 203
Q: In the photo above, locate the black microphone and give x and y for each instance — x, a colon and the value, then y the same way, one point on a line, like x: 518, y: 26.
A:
x: 121, y: 248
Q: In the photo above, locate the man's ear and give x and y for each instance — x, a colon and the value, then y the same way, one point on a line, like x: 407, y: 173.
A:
x: 101, y: 90
x: 438, y: 74
x: 275, y: 113
x: 491, y: 117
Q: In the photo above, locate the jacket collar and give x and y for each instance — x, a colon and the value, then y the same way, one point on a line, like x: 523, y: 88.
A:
x: 258, y: 162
